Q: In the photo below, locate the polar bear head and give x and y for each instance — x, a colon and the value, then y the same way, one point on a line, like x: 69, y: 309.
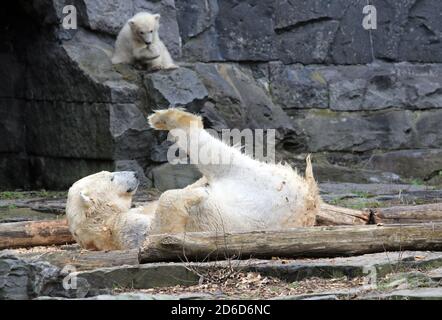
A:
x: 95, y: 202
x: 144, y: 26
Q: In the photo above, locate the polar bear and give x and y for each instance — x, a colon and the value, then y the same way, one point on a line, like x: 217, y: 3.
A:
x: 139, y: 42
x: 99, y: 212
x: 242, y: 195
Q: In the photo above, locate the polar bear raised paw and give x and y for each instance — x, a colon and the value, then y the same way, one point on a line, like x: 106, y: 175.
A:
x: 174, y: 118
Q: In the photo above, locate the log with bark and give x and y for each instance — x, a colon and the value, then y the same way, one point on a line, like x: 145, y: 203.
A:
x: 293, y: 243
x: 410, y: 214
x: 330, y: 215
x: 34, y: 233
x: 54, y: 232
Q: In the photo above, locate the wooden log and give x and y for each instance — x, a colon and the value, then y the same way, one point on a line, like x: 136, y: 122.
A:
x: 330, y: 215
x: 54, y: 232
x: 410, y: 214
x: 292, y: 243
x: 34, y: 233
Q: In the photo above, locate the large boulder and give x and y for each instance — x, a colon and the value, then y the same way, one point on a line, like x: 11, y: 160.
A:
x: 308, y: 69
x: 421, y: 163
x: 180, y: 87
x: 357, y: 88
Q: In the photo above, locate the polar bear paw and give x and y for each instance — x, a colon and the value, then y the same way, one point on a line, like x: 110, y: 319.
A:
x: 174, y: 118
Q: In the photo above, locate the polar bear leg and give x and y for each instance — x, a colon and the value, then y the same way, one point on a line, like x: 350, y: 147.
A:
x: 167, y: 61
x: 173, y: 209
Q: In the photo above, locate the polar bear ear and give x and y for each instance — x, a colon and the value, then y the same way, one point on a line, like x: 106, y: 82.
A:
x: 85, y: 198
x: 132, y: 24
x: 157, y: 16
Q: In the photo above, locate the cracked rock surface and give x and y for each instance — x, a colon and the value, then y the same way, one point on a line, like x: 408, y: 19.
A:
x: 358, y: 100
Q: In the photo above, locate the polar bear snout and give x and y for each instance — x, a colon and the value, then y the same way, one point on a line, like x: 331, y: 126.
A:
x: 126, y: 181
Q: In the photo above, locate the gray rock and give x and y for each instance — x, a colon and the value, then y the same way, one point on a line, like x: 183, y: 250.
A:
x: 53, y: 84
x: 330, y: 131
x: 180, y: 87
x: 108, y: 16
x: 138, y: 296
x: 370, y: 189
x: 435, y: 274
x: 60, y: 173
x: 239, y: 38
x: 413, y: 294
x: 80, y: 110
x: 428, y: 130
x: 375, y: 265
x: 356, y: 88
x: 138, y: 277
x: 237, y: 100
x: 292, y: 13
x: 226, y: 30
x: 328, y: 173
x: 13, y: 71
x: 20, y: 280
x: 195, y: 19
x: 168, y: 176
x: 308, y: 297
x: 14, y: 171
x: 12, y: 129
x: 131, y: 133
x: 309, y: 43
x: 322, y: 31
x: 298, y: 87
x: 408, y: 31
x: 351, y: 43
x: 69, y: 130
x: 419, y: 163
x: 409, y: 280
x: 92, y: 54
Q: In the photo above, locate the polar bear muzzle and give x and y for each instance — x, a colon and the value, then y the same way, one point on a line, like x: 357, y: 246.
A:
x: 126, y: 181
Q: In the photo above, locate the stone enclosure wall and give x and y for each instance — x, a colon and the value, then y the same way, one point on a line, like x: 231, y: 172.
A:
x: 367, y: 104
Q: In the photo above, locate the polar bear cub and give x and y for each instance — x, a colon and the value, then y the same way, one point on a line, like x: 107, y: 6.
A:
x: 139, y: 41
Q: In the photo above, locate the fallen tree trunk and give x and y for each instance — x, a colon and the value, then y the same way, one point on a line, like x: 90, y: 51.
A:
x: 298, y: 242
x: 53, y: 232
x: 410, y: 214
x: 330, y: 215
x: 34, y: 233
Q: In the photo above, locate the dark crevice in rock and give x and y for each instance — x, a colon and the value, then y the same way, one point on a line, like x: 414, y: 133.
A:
x: 299, y: 24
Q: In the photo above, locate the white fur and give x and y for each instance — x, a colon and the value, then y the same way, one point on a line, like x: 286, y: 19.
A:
x: 99, y: 212
x: 131, y: 47
x: 243, y: 195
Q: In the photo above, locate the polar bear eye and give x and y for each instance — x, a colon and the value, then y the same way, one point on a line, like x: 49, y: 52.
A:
x: 141, y: 32
x: 112, y: 179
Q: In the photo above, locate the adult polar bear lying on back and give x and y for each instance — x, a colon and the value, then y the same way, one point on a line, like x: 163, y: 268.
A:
x: 244, y: 195
x: 139, y: 41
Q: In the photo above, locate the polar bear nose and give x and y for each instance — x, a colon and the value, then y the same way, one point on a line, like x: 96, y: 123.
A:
x: 148, y: 43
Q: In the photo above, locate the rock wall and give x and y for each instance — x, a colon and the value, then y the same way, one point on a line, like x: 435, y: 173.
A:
x: 367, y: 104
